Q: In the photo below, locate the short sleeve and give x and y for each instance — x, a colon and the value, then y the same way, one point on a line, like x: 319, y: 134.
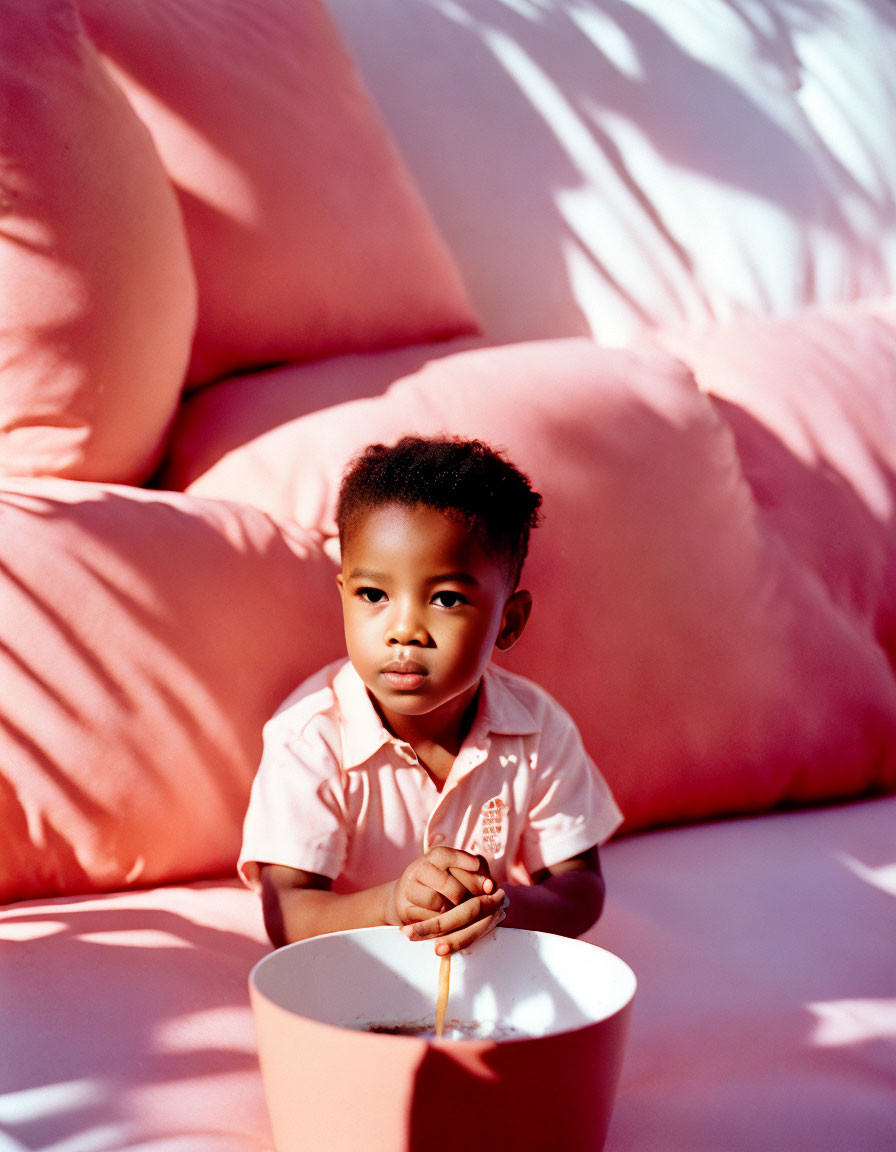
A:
x: 296, y: 814
x: 571, y: 808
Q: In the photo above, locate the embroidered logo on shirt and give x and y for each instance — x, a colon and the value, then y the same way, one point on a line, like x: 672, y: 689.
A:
x: 492, y: 826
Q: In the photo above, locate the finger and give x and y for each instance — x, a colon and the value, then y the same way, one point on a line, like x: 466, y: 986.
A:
x: 473, y: 909
x: 415, y: 914
x: 466, y: 937
x: 426, y: 896
x: 474, y: 883
x: 445, y: 886
x: 423, y: 929
x: 488, y: 884
x: 476, y: 908
x: 435, y: 900
x: 446, y: 858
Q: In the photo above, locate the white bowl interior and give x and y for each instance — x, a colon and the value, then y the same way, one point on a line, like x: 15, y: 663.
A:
x: 513, y: 983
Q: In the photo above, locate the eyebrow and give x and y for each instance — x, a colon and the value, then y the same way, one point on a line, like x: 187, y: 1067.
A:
x: 454, y: 578
x: 366, y: 574
x: 443, y: 577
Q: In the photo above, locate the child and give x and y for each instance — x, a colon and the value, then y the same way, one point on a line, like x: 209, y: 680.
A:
x: 413, y: 784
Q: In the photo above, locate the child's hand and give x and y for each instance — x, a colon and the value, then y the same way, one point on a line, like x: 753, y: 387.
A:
x: 434, y: 883
x: 462, y: 925
x: 451, y: 894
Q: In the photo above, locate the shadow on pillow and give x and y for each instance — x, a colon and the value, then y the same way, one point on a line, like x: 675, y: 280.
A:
x: 147, y: 638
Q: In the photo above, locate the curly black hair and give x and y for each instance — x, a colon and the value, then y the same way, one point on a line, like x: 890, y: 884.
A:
x: 465, y: 479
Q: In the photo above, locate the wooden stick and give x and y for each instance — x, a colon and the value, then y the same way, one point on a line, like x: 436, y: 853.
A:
x: 442, y: 999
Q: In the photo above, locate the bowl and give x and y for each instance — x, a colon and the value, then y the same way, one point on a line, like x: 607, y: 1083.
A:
x: 530, y: 1057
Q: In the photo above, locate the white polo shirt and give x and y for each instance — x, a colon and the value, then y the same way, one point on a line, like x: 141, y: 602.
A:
x: 338, y: 795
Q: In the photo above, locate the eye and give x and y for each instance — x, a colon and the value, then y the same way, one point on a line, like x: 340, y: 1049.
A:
x: 371, y: 595
x: 449, y: 599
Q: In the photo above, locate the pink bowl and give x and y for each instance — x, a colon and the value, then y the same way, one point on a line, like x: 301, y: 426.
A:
x: 332, y: 1085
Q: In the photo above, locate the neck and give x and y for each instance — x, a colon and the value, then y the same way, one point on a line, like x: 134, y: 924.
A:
x: 441, y: 731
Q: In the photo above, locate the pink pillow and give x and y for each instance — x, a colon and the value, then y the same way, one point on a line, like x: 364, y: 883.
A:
x: 307, y: 233
x: 146, y: 639
x: 812, y: 405
x: 97, y: 298
x: 710, y: 668
x: 239, y: 435
x: 603, y: 168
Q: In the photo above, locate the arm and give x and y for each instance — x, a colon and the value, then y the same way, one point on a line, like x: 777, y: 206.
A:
x: 566, y: 898
x: 298, y: 905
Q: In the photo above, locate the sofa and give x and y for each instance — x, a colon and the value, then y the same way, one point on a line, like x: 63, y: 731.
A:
x: 647, y: 248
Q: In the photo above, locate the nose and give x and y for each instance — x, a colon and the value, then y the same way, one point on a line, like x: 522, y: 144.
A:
x: 405, y: 626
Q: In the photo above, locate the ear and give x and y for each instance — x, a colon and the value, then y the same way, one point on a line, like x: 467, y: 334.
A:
x: 516, y: 613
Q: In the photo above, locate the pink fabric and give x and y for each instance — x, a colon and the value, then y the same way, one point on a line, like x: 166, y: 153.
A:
x: 97, y: 297
x: 713, y: 663
x: 127, y: 1022
x: 605, y: 168
x: 714, y: 585
x: 812, y: 407
x: 238, y: 434
x: 764, y: 1015
x: 146, y: 639
x: 306, y: 231
x: 337, y: 795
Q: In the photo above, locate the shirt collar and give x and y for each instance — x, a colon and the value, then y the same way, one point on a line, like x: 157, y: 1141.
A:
x: 363, y: 732
x: 500, y: 710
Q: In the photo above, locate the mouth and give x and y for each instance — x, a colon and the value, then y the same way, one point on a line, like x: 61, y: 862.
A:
x: 405, y: 676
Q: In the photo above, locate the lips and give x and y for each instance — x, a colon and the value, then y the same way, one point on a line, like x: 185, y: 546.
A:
x: 404, y: 675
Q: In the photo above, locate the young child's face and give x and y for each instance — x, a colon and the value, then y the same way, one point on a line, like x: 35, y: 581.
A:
x: 423, y: 607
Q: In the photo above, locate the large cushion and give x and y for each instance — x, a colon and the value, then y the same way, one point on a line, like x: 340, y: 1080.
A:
x: 603, y: 167
x: 307, y: 233
x: 812, y: 406
x: 126, y: 1022
x: 97, y: 298
x: 765, y: 1016
x: 762, y: 947
x: 146, y: 638
x: 714, y: 662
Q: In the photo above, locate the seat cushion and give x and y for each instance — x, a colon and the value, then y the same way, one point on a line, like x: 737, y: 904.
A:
x: 762, y: 949
x: 765, y: 1015
x: 127, y: 1022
